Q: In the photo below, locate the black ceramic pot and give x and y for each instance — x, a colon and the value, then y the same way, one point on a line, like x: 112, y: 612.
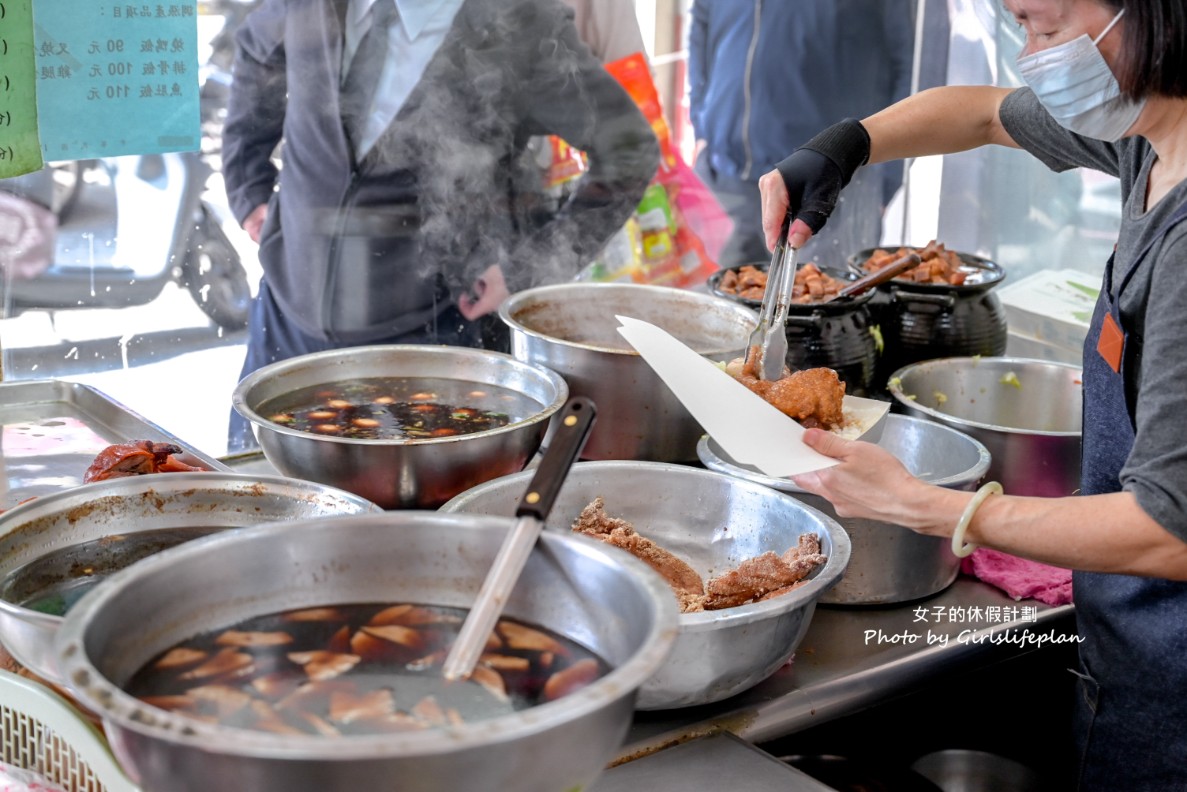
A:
x: 923, y: 321
x: 834, y: 335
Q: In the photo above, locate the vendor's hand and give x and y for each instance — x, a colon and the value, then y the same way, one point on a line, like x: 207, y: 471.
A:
x: 813, y: 177
x: 489, y: 291
x: 774, y: 209
x: 254, y: 222
x: 870, y: 483
x: 807, y: 184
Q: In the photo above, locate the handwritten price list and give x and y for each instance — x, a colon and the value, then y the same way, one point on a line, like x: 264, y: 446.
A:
x: 116, y: 78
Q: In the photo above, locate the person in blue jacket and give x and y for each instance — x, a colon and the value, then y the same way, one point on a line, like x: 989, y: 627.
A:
x: 1106, y: 88
x: 767, y: 75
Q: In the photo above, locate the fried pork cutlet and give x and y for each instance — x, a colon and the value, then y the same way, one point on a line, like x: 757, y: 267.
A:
x: 811, y: 396
x: 764, y: 576
x: 684, y: 580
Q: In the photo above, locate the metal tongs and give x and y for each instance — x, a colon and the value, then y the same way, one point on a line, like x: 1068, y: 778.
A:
x: 766, y: 353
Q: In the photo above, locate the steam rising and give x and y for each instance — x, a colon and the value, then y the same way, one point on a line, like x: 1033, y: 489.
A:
x: 474, y: 193
x: 352, y: 269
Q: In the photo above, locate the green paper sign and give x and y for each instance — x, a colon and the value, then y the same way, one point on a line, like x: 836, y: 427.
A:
x: 20, y: 151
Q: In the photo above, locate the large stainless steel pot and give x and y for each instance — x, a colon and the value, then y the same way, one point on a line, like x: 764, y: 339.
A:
x: 1026, y: 412
x: 571, y: 329
x: 401, y: 473
x: 889, y: 563
x: 122, y: 506
x: 574, y: 586
x: 713, y: 522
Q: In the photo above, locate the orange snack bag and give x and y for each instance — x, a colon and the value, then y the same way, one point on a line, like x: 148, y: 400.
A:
x: 633, y: 73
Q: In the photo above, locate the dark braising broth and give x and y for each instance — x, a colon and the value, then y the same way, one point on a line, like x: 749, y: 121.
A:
x: 55, y: 581
x: 358, y: 670
x: 392, y: 408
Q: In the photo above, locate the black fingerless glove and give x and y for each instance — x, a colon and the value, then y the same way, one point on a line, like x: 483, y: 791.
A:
x: 816, y: 172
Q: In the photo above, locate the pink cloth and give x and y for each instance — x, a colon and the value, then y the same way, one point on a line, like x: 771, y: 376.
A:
x: 15, y: 779
x: 1020, y: 578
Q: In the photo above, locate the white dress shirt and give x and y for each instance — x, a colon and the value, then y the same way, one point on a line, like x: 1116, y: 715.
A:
x: 412, y: 40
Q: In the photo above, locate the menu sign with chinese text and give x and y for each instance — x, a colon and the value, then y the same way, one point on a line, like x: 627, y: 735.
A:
x: 116, y: 78
x: 20, y: 151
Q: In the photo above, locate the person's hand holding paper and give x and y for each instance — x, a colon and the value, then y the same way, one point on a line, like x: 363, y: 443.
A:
x: 749, y: 429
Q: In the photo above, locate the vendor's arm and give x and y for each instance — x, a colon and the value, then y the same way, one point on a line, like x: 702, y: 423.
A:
x: 937, y: 121
x: 255, y: 113
x: 1099, y: 533
x: 572, y: 96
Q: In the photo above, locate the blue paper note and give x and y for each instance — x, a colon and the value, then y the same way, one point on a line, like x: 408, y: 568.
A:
x: 116, y: 78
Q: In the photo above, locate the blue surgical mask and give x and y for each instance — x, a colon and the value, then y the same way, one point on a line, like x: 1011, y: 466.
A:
x: 1076, y: 86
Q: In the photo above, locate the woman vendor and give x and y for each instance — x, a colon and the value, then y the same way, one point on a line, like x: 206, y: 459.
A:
x: 1106, y: 89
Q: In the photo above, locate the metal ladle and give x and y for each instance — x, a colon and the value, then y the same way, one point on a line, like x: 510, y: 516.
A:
x: 572, y: 428
x: 867, y: 282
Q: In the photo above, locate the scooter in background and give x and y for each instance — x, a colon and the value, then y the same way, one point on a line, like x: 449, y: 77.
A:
x: 133, y: 224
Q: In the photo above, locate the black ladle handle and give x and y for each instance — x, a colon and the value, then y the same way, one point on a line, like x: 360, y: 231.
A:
x: 573, y: 425
x: 878, y: 277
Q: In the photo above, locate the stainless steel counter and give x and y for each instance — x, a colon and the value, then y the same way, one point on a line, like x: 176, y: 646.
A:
x: 854, y: 658
x: 720, y: 761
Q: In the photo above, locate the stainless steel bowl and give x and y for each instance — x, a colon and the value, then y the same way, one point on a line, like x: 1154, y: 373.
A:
x: 889, y: 563
x: 960, y: 770
x: 713, y: 522
x: 401, y: 473
x: 123, y: 506
x: 1026, y: 412
x: 604, y: 600
x: 571, y: 329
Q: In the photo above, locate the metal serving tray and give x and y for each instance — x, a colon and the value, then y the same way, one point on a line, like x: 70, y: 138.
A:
x: 51, y: 430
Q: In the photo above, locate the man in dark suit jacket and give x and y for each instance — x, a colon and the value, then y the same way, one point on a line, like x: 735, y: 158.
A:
x: 406, y: 232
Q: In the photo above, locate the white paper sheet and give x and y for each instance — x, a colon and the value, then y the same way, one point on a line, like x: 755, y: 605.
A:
x: 747, y: 427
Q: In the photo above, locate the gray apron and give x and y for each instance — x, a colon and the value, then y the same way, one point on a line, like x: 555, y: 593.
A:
x: 1131, y: 707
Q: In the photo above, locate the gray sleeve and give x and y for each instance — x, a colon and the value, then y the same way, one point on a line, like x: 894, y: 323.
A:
x: 613, y: 29
x: 256, y: 110
x: 570, y: 94
x: 1033, y: 128
x: 1156, y: 471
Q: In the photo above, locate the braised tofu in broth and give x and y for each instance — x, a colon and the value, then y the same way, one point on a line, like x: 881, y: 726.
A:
x: 358, y: 670
x: 395, y: 408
